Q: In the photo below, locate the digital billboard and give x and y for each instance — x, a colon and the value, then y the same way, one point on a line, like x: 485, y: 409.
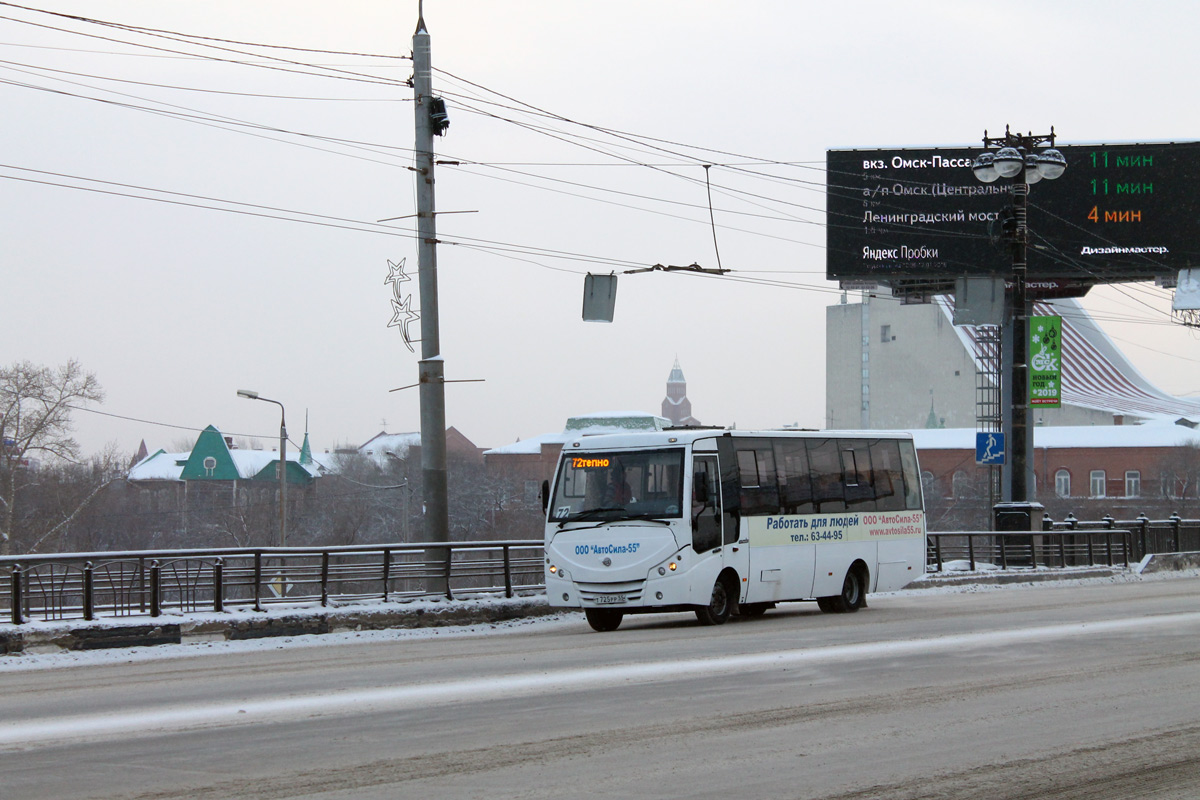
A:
x: 1120, y: 212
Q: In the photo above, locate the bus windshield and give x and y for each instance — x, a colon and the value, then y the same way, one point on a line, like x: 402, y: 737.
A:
x: 605, y: 486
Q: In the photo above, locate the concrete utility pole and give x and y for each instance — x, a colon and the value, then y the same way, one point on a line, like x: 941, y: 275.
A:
x: 431, y: 368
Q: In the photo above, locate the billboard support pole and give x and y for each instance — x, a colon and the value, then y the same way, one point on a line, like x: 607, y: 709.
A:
x: 1016, y: 159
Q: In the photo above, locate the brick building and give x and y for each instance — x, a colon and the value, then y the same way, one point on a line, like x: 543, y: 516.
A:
x: 1089, y: 471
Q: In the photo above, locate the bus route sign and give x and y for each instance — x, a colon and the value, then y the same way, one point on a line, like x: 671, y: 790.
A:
x: 1123, y: 212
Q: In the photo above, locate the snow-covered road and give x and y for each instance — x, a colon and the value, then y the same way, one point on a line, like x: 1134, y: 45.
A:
x: 1040, y: 691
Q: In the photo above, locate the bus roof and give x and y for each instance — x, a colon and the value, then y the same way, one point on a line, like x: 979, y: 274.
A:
x: 609, y: 441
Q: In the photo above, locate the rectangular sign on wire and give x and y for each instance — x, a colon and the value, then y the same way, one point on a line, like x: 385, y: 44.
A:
x: 1045, y: 362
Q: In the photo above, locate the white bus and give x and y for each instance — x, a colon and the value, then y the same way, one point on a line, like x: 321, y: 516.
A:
x: 731, y: 522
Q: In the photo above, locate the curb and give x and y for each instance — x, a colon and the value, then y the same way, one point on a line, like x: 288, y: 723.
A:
x: 934, y: 579
x: 115, y: 634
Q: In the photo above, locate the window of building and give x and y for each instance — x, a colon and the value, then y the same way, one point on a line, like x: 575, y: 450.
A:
x: 1062, y: 483
x: 1097, y: 483
x: 885, y: 333
x: 1133, y: 483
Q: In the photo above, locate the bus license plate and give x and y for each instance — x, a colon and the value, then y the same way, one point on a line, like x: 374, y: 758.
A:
x: 602, y: 599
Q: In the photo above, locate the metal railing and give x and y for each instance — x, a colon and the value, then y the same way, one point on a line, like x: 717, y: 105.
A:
x: 139, y: 583
x: 1171, y: 535
x: 1015, y: 550
x: 135, y: 583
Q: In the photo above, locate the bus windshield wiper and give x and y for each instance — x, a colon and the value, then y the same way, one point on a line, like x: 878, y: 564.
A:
x: 591, y: 513
x: 646, y: 517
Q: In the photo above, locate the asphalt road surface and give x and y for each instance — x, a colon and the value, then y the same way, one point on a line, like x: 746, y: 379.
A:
x: 1058, y: 691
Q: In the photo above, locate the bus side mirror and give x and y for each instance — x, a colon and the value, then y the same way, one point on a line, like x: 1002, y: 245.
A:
x: 700, y: 488
x: 545, y: 496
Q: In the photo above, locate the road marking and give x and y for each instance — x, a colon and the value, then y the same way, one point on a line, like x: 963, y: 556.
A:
x: 344, y: 703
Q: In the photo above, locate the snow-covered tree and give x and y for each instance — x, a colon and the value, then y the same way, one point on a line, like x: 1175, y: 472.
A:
x: 35, y: 422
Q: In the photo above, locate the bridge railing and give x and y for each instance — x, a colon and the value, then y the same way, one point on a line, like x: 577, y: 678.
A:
x: 1171, y: 535
x: 88, y: 586
x: 1008, y: 550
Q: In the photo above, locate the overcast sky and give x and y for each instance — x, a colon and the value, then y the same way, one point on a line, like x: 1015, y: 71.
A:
x: 281, y: 289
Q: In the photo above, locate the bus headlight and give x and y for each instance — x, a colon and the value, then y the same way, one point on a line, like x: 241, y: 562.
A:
x: 666, y: 567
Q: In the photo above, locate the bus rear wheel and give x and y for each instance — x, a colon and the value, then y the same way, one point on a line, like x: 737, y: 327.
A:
x: 603, y: 620
x: 852, y: 598
x: 719, y: 606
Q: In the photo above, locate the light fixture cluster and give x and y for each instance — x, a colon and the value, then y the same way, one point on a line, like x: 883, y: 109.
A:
x: 1016, y: 155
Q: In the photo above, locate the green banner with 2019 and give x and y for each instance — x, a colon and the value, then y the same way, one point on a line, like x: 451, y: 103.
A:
x: 1045, y: 362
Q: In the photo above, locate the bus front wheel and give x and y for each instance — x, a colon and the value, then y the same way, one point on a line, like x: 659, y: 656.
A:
x: 852, y: 598
x: 603, y: 619
x: 719, y: 606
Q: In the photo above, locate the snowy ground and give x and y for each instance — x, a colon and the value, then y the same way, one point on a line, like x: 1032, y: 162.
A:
x: 538, y: 624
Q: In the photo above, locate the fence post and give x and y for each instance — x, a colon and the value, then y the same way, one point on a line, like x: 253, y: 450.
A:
x: 449, y: 565
x: 1090, y: 550
x: 387, y: 572
x: 1062, y: 550
x: 15, y: 580
x: 1070, y: 521
x: 219, y: 584
x: 155, y: 586
x: 258, y: 580
x: 89, y: 583
x: 971, y: 551
x: 1003, y: 555
x: 1175, y: 522
x: 1047, y: 522
x: 508, y: 592
x: 1143, y: 533
x: 142, y: 585
x: 1108, y: 546
x: 325, y: 578
x: 937, y: 551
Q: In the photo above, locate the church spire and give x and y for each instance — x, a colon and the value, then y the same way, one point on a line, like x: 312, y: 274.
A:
x: 676, y: 407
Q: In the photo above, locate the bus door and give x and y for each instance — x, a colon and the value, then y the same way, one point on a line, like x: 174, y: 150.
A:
x: 716, y: 519
x: 706, y: 504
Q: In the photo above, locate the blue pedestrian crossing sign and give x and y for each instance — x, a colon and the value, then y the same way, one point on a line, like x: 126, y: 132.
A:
x: 989, y: 448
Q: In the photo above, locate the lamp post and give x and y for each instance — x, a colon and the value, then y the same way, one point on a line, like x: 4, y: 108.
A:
x: 282, y: 468
x: 1017, y: 158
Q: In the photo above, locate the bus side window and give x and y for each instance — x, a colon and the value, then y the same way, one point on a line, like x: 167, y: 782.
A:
x: 889, y: 479
x: 795, y: 483
x: 856, y: 471
x: 756, y: 463
x: 826, y: 470
x: 912, y: 479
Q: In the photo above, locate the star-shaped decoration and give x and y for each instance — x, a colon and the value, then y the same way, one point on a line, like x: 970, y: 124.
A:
x: 404, y: 310
x: 396, y: 273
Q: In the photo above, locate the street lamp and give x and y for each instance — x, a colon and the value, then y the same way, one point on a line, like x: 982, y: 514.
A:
x: 282, y: 468
x: 1018, y: 159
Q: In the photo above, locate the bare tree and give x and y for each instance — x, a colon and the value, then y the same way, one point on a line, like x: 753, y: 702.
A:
x: 1180, y: 477
x: 35, y: 420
